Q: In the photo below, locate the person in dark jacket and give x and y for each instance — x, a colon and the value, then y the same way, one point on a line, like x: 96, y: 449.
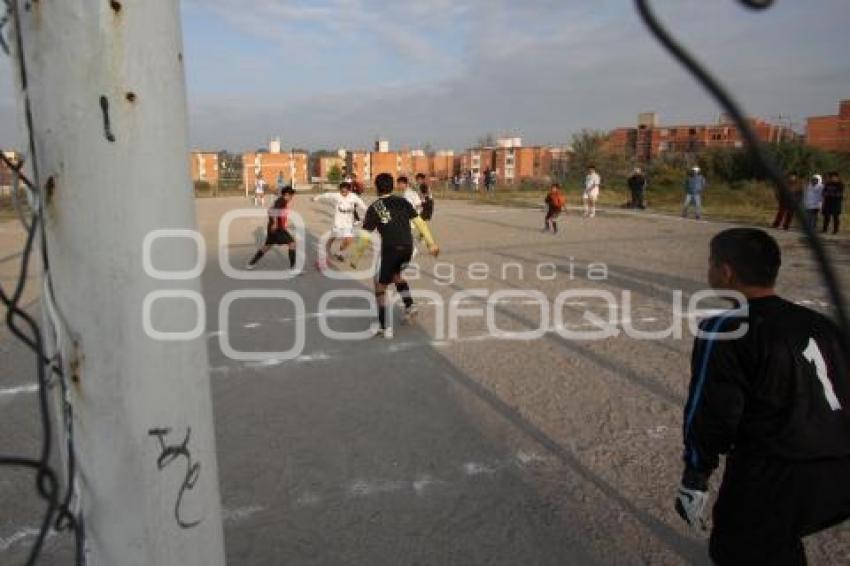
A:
x: 833, y: 200
x: 787, y: 205
x: 637, y: 188
x: 770, y: 390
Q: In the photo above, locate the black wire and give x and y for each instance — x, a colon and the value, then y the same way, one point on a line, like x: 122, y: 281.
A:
x: 756, y: 150
x: 47, y: 484
x: 3, y: 21
x: 16, y: 169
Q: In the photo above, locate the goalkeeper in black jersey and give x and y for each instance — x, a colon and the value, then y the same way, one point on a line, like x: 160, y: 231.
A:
x: 776, y: 402
x: 392, y: 215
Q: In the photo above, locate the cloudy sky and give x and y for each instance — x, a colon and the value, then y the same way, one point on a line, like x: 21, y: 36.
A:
x: 331, y: 73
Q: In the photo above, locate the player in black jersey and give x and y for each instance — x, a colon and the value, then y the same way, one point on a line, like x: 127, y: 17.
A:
x: 776, y: 401
x: 391, y: 215
x: 426, y: 197
x: 277, y: 229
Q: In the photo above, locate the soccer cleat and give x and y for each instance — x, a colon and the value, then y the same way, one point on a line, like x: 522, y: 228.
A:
x: 250, y: 266
x: 339, y: 257
x: 385, y: 332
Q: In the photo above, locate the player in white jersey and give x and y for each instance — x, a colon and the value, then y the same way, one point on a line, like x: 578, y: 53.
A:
x: 411, y: 195
x: 591, y: 191
x: 345, y: 204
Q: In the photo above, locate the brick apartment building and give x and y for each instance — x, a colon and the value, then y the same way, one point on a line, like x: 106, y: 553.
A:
x: 442, y: 165
x: 420, y: 163
x: 384, y: 162
x: 203, y: 166
x: 650, y: 140
x: 291, y: 164
x: 513, y: 162
x: 326, y: 163
x: 359, y: 163
x: 830, y: 133
x: 369, y: 164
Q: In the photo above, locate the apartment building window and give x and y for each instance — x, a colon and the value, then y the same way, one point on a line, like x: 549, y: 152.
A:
x: 692, y: 131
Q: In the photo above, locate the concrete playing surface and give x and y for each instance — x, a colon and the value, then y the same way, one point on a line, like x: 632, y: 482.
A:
x: 438, y: 449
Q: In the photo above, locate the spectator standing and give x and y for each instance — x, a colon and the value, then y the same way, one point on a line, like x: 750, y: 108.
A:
x: 695, y: 184
x: 813, y: 200
x: 833, y: 200
x: 637, y: 187
x: 787, y: 204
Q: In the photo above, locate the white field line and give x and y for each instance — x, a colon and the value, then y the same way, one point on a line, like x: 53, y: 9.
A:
x: 240, y: 513
x: 21, y: 389
x: 21, y: 535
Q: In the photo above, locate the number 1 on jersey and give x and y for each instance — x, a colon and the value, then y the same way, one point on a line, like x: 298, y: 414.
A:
x: 813, y: 354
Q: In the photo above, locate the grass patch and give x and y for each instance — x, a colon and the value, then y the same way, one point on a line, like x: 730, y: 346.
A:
x: 749, y: 203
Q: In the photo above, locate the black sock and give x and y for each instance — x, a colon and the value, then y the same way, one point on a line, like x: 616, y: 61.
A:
x: 382, y: 316
x: 291, y: 258
x: 404, y: 290
x: 554, y: 226
x: 257, y: 256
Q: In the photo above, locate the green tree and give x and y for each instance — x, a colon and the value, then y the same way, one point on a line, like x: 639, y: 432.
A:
x: 587, y: 148
x: 335, y: 174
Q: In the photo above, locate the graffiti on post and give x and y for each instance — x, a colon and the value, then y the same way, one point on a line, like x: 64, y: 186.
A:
x: 169, y: 454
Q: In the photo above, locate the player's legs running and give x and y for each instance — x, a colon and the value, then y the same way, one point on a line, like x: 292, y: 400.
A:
x: 392, y: 263
x: 275, y: 239
x: 344, y: 245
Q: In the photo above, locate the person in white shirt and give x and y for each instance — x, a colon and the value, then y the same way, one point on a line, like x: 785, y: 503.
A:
x: 260, y: 191
x: 813, y: 199
x: 409, y: 193
x: 345, y: 204
x: 412, y: 196
x: 591, y: 191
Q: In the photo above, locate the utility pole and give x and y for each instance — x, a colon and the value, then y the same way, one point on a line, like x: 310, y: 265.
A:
x: 103, y: 82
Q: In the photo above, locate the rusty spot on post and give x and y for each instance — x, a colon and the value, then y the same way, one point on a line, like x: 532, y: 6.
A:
x: 130, y: 96
x: 75, y: 370
x: 115, y: 5
x: 50, y: 186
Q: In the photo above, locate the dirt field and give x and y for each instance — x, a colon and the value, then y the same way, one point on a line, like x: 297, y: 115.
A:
x: 442, y: 447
